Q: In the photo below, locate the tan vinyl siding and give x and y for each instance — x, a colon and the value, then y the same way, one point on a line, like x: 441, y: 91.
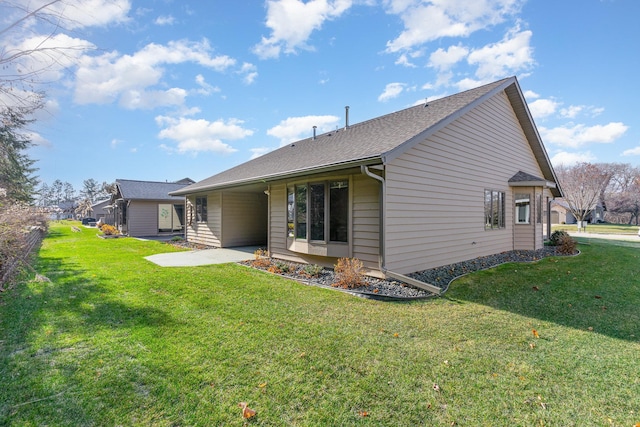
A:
x: 278, y: 218
x: 244, y: 219
x: 366, y: 220
x: 209, y: 233
x: 435, y: 190
x: 143, y: 218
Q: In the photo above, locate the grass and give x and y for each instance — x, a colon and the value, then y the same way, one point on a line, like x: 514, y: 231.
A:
x: 600, y: 228
x: 116, y: 340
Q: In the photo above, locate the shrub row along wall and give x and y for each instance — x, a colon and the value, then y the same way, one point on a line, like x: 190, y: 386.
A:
x: 17, y: 252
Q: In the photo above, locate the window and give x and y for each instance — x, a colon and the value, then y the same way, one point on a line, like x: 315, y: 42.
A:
x: 291, y: 211
x: 523, y: 207
x: 316, y: 211
x: 301, y: 211
x: 311, y: 207
x: 539, y: 209
x: 201, y: 209
x: 493, y: 209
x: 339, y: 211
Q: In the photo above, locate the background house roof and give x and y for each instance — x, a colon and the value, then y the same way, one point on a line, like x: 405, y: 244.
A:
x: 150, y: 190
x: 369, y: 142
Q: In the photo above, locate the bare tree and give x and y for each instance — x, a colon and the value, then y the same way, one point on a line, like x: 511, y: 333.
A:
x: 34, y: 49
x: 84, y: 208
x: 583, y: 186
x: 623, y: 194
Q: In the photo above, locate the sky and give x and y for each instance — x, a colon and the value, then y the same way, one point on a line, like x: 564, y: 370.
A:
x: 163, y: 90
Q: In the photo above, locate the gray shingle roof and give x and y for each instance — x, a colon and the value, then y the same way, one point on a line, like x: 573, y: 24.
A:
x: 149, y: 190
x: 368, y: 142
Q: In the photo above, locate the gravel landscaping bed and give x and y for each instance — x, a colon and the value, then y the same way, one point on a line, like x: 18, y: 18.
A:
x: 393, y: 289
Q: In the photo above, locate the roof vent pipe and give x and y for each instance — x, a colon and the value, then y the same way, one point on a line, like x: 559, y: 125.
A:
x: 346, y: 119
x: 314, y: 132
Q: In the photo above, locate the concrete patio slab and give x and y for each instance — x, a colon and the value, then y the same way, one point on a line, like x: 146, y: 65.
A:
x: 203, y: 257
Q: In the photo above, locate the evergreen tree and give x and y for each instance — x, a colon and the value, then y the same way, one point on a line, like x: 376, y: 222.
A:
x: 16, y: 167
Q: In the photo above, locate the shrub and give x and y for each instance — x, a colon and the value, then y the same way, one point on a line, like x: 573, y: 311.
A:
x: 177, y: 239
x: 284, y: 267
x: 262, y: 259
x: 312, y: 270
x: 566, y: 245
x: 109, y: 230
x: 348, y: 273
x: 556, y: 236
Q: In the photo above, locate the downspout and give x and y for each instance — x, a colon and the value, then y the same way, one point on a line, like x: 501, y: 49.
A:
x: 381, y: 253
x: 548, y: 218
x: 381, y: 245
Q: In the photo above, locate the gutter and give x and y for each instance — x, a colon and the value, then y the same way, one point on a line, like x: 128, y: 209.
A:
x: 381, y: 245
x: 263, y: 179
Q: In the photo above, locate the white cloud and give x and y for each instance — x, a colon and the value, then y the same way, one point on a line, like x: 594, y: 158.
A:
x: 165, y: 20
x: 392, y: 90
x: 259, y: 151
x: 80, y: 14
x: 425, y: 21
x: 296, y: 128
x: 511, y: 55
x: 46, y: 57
x: 567, y: 159
x: 574, y: 111
x: 635, y: 151
x: 127, y: 78
x: 250, y: 73
x: 292, y: 21
x: 37, y: 139
x: 205, y: 88
x: 579, y: 135
x: 195, y: 135
x: 529, y: 94
x: 543, y: 108
x: 445, y: 59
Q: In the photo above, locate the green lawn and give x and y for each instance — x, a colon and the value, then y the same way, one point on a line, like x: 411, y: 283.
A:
x: 600, y: 228
x: 116, y: 340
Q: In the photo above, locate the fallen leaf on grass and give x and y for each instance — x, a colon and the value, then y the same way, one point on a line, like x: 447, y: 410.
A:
x: 246, y: 411
x: 597, y: 297
x: 535, y: 333
x: 263, y: 385
x: 535, y: 288
x: 396, y: 335
x: 436, y: 387
x: 363, y: 413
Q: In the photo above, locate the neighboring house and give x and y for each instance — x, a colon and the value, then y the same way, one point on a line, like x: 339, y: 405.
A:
x: 145, y: 208
x: 63, y: 210
x: 561, y: 214
x: 101, y: 210
x: 438, y: 183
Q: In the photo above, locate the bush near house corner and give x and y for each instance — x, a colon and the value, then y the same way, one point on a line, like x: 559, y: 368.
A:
x: 109, y: 230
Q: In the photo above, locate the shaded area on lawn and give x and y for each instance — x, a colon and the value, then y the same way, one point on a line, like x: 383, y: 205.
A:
x: 586, y: 292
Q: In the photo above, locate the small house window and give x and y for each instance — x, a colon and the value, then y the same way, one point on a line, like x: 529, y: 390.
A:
x: 493, y: 209
x: 523, y: 208
x: 201, y: 209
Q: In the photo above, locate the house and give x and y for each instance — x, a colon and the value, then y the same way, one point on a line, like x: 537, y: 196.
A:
x: 101, y: 210
x: 145, y: 208
x: 442, y: 182
x: 561, y: 214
